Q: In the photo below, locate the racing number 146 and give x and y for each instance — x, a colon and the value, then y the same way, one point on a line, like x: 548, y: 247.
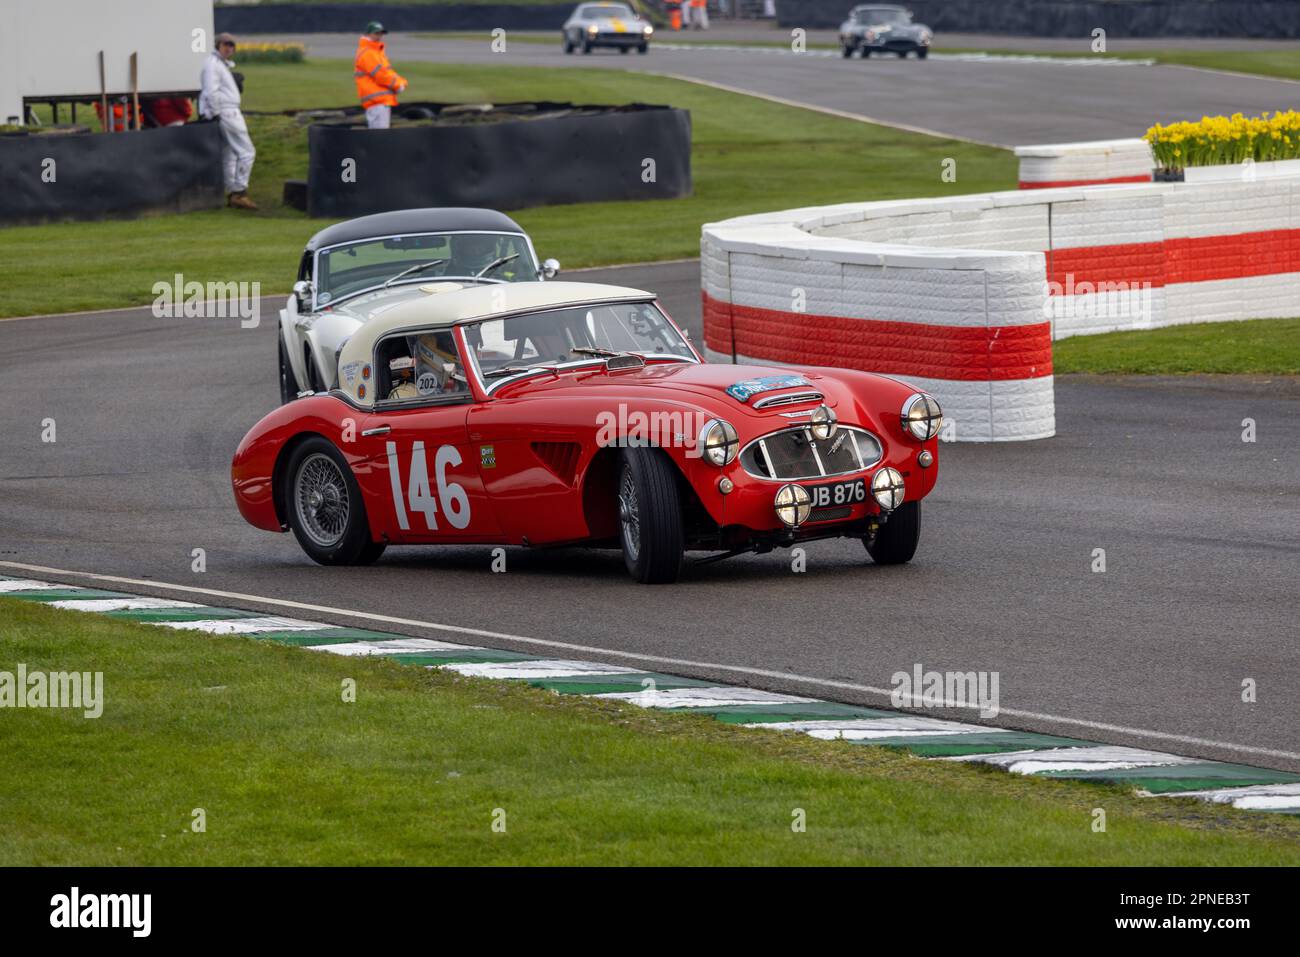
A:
x: 420, y: 495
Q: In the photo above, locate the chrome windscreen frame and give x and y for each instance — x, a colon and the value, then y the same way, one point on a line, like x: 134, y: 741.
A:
x: 487, y: 385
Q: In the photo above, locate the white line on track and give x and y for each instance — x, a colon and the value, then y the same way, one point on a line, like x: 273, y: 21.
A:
x: 641, y: 263
x: 828, y: 111
x: 1235, y: 73
x: 641, y: 656
x: 834, y: 53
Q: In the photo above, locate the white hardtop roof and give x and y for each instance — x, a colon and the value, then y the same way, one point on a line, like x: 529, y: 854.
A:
x: 446, y: 306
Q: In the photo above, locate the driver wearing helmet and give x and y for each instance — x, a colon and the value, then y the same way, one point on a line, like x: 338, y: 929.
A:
x: 437, y: 365
x: 430, y: 368
x: 470, y: 253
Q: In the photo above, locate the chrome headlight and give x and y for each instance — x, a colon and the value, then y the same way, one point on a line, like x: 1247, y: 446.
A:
x: 922, y: 416
x: 593, y: 29
x: 719, y: 443
x: 648, y: 29
x: 793, y: 505
x: 887, y: 488
x: 823, y: 422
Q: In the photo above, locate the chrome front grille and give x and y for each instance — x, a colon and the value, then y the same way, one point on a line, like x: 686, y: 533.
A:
x: 793, y: 454
x: 790, y: 398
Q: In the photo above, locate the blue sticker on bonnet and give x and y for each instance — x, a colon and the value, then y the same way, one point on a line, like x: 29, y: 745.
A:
x: 742, y: 390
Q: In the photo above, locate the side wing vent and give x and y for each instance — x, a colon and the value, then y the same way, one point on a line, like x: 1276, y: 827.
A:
x: 561, y: 458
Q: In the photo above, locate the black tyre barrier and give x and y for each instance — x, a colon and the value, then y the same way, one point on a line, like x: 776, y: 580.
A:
x: 1075, y: 18
x: 81, y: 176
x: 512, y: 156
x: 351, y: 17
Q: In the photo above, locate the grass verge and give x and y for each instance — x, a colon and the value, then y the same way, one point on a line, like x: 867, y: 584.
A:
x: 748, y: 155
x: 1254, y: 346
x: 257, y: 736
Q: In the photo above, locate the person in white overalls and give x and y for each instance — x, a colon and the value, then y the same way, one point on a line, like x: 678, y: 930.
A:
x: 219, y: 100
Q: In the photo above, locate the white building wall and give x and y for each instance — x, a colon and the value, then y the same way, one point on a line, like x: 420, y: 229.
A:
x: 51, y: 48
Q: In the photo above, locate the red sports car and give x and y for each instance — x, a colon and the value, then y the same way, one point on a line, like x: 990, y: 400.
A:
x: 566, y: 413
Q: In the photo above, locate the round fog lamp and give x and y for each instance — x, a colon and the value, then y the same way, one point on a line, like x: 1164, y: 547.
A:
x: 793, y: 505
x: 823, y: 422
x: 887, y: 489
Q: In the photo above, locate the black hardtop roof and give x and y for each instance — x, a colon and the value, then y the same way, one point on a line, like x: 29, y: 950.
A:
x: 433, y: 219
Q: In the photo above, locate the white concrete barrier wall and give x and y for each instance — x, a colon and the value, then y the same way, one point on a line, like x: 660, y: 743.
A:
x: 963, y: 296
x: 1085, y: 164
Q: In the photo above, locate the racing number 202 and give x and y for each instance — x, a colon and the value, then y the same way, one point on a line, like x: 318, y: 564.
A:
x: 420, y: 495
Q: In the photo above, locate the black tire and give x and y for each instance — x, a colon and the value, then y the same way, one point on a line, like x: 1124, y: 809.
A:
x: 650, y: 517
x: 896, y: 540
x: 568, y: 47
x: 901, y: 54
x: 643, y: 48
x: 586, y: 47
x: 288, y: 381
x: 327, y: 537
x: 922, y: 54
x: 846, y: 51
x: 865, y: 52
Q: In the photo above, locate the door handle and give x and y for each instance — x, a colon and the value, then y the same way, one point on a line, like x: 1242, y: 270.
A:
x: 377, y: 430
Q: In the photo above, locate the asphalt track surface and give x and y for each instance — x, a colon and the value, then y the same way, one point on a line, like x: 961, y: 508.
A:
x: 1003, y: 101
x: 1200, y: 532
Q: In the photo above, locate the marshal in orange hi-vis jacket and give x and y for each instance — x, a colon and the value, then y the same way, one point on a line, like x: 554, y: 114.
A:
x: 377, y: 82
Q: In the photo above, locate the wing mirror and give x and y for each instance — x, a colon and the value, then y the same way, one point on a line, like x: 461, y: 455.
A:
x: 550, y: 269
x: 303, y: 290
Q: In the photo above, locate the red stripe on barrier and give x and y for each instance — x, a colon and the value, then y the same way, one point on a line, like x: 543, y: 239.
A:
x: 1132, y: 263
x: 1208, y: 258
x: 1060, y: 183
x: 1196, y: 259
x: 966, y: 353
x: 717, y: 323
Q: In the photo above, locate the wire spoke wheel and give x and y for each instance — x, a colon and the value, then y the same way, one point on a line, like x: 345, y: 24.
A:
x: 321, y: 499
x: 650, y: 516
x: 628, y: 515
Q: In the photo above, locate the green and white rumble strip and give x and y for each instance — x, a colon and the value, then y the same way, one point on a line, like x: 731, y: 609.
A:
x: 1150, y: 773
